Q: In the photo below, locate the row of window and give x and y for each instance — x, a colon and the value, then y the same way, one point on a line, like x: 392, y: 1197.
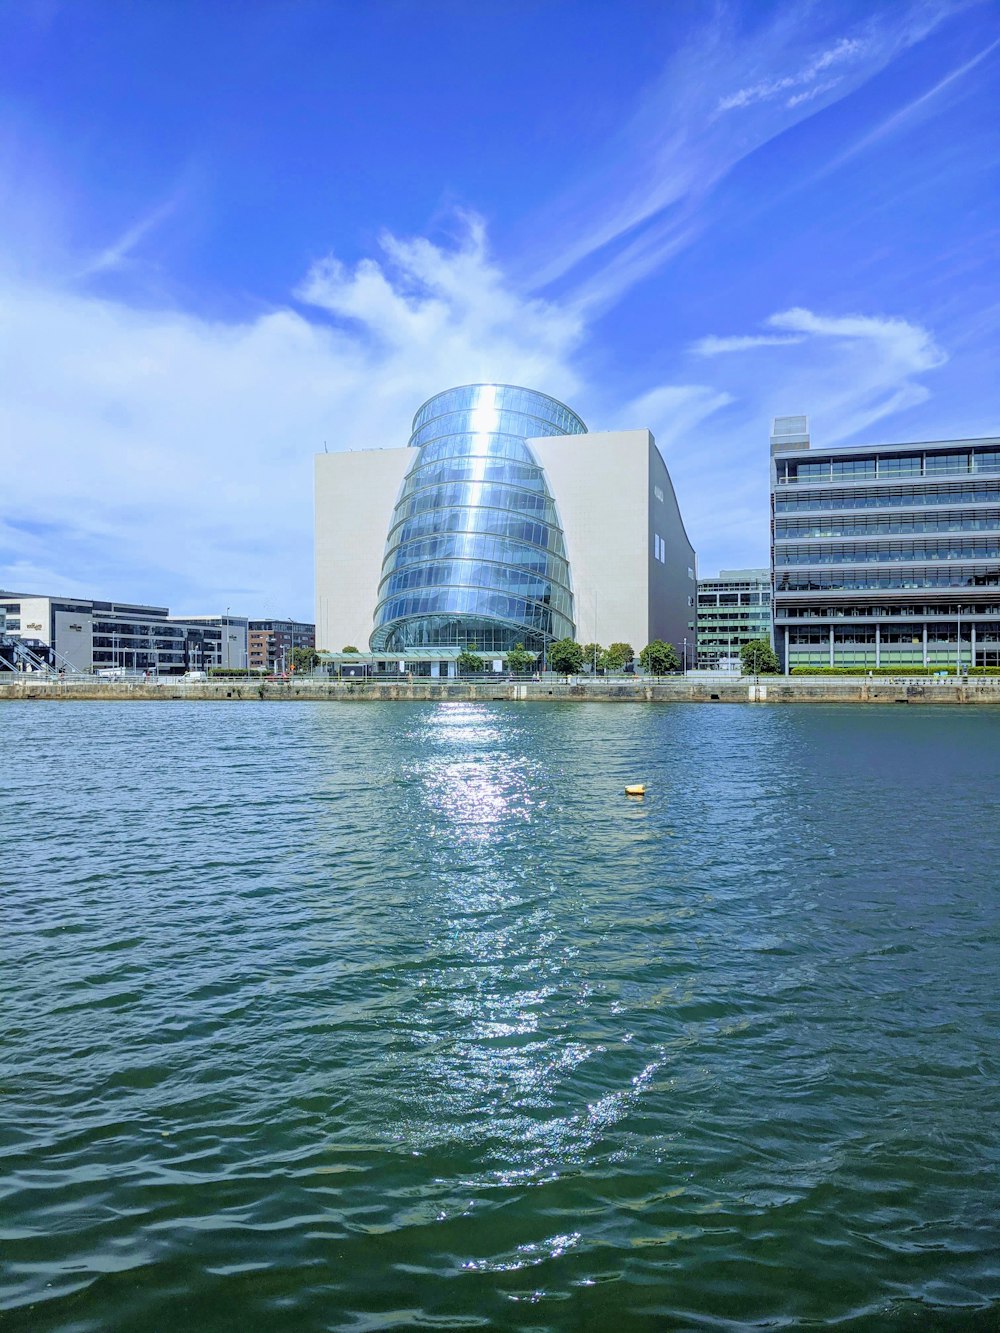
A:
x: 989, y: 633
x: 744, y: 617
x: 478, y: 546
x: 927, y: 576
x: 984, y: 520
x: 474, y: 574
x: 733, y: 598
x: 494, y: 422
x: 476, y: 522
x: 501, y: 397
x: 476, y: 603
x: 858, y: 553
x: 464, y: 444
x: 889, y: 498
x: 472, y: 496
x: 454, y: 631
x: 474, y: 471
x: 888, y: 466
x: 917, y: 610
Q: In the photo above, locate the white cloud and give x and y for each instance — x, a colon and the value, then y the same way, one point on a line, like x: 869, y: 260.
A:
x: 161, y: 457
x: 158, y: 456
x: 848, y: 373
x: 850, y: 370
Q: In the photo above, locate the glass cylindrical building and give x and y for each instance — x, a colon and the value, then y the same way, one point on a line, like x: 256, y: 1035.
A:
x: 475, y: 555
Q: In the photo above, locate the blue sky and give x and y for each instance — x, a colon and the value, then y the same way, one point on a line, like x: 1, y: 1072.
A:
x: 232, y: 233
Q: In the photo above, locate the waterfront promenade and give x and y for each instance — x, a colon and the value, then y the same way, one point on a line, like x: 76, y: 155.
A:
x: 678, y: 689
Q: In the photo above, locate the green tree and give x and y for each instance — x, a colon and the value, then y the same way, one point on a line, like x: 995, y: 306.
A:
x: 617, y: 655
x: 469, y: 662
x: 658, y: 658
x: 519, y: 659
x: 349, y: 648
x: 565, y: 656
x: 757, y: 658
x: 304, y: 659
x: 593, y: 654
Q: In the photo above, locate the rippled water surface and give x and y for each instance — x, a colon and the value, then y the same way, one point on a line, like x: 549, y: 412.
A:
x: 371, y: 1016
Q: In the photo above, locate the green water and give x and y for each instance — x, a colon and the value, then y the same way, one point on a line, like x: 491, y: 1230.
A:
x: 366, y: 1016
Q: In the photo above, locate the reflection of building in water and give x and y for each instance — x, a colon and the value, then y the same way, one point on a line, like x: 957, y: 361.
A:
x: 77, y: 634
x: 885, y: 555
x: 505, y: 521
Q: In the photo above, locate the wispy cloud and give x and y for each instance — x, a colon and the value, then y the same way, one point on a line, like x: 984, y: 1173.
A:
x: 120, y: 251
x: 718, y: 100
x: 715, y: 346
x: 847, y: 49
x: 911, y: 111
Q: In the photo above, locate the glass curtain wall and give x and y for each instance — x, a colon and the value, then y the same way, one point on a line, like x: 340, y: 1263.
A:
x: 475, y: 555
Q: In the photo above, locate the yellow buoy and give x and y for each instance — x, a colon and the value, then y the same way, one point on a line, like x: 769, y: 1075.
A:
x: 637, y: 790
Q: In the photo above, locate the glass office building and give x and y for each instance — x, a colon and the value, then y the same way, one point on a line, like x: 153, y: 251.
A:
x: 475, y: 552
x: 733, y: 609
x: 885, y: 555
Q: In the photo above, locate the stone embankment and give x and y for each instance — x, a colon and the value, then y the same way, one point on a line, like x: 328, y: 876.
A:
x: 763, y: 690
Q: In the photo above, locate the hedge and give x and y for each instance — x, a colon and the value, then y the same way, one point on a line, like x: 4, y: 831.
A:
x: 893, y: 671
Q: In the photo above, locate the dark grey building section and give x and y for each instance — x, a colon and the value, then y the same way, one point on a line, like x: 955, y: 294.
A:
x: 673, y: 585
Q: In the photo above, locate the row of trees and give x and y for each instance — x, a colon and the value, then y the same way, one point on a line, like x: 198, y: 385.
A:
x: 569, y: 658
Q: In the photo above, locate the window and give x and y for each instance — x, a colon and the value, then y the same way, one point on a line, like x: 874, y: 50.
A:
x: 690, y: 572
x: 658, y: 493
x: 659, y: 549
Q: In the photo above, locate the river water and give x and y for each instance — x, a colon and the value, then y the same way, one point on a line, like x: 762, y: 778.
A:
x: 366, y: 1016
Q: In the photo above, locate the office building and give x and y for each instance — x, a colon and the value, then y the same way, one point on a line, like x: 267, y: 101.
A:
x: 77, y: 634
x: 733, y: 609
x: 885, y: 555
x: 270, y: 643
x: 504, y: 521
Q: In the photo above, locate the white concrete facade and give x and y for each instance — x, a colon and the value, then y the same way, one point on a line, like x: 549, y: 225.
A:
x: 632, y: 566
x: 355, y: 496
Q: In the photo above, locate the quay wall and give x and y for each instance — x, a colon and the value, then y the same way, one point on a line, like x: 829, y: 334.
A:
x: 765, y: 690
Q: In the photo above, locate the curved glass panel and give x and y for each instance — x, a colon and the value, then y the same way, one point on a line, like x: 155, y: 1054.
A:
x: 475, y: 554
